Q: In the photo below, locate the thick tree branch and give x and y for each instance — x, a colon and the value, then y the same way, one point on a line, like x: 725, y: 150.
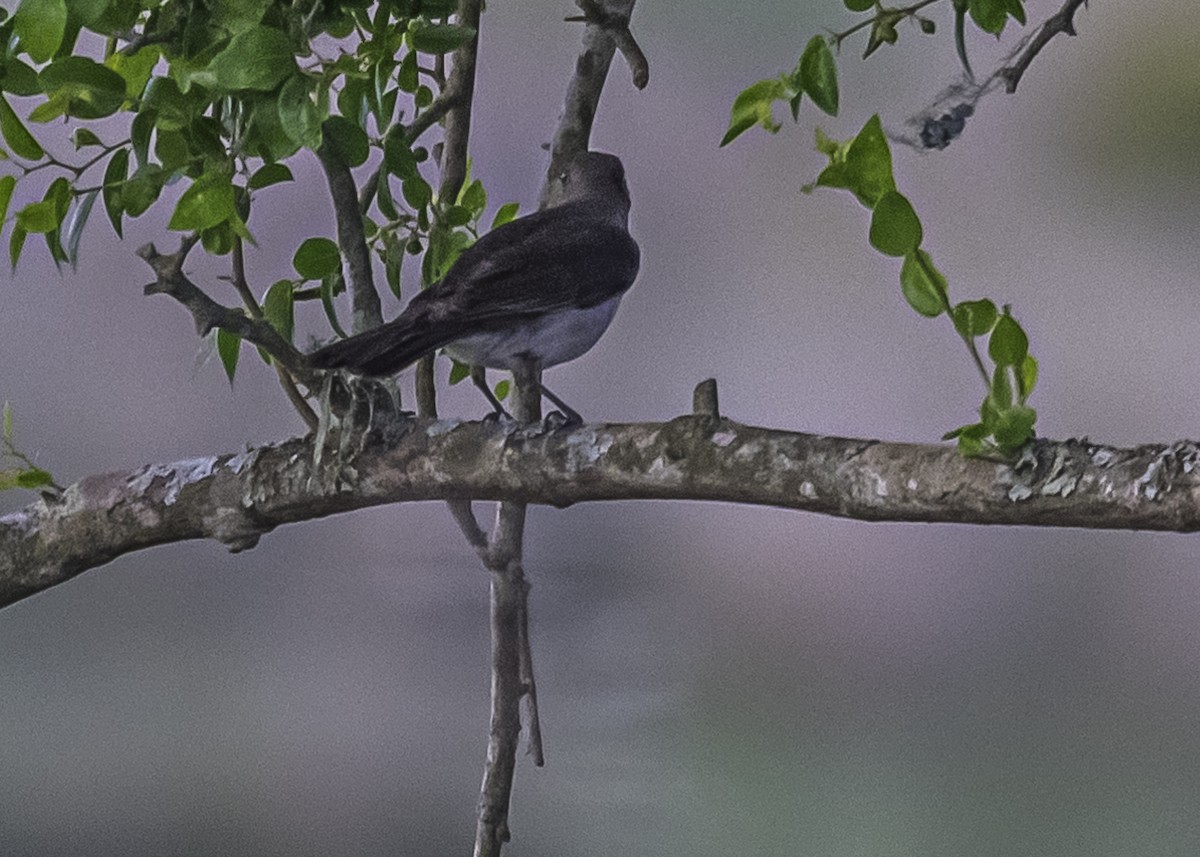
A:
x: 237, y: 498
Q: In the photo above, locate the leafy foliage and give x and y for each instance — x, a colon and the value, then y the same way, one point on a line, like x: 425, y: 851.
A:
x: 16, y: 470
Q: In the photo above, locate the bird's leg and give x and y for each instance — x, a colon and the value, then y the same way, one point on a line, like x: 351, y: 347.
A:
x: 568, y: 414
x: 479, y: 379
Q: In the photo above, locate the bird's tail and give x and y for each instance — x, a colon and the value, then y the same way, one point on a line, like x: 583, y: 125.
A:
x: 380, y: 351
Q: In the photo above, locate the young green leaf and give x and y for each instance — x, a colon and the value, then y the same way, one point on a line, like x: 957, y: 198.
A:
x: 317, y: 258
x: 91, y: 91
x: 974, y: 318
x: 818, y: 75
x: 114, y: 178
x: 895, y: 227
x: 753, y: 107
x: 206, y: 203
x: 1013, y: 427
x: 458, y: 371
x: 502, y: 389
x: 7, y: 185
x: 505, y: 213
x: 278, y: 307
x: 38, y: 217
x: 16, y: 241
x: 1027, y: 376
x: 923, y: 285
x: 331, y: 285
x: 229, y: 348
x: 1008, y: 345
x: 866, y: 167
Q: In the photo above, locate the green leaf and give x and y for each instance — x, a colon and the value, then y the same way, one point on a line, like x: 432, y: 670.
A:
x: 38, y: 217
x: 864, y: 167
x: 84, y: 137
x: 397, y: 153
x: 474, y: 198
x: 393, y: 261
x: 7, y: 185
x: 1013, y: 427
x: 505, y: 214
x: 279, y: 307
x: 206, y: 203
x: 229, y: 349
x: 75, y: 226
x: 91, y: 90
x: 135, y: 69
x: 974, y: 318
x: 259, y: 59
x: 457, y: 215
x: 317, y: 258
x: 114, y: 178
x: 1027, y: 376
x: 18, y: 78
x: 441, y: 38
x: 502, y: 389
x: 417, y: 191
x: 15, y: 242
x: 40, y: 26
x: 34, y: 477
x: 331, y: 285
x: 406, y: 76
x: 895, y: 227
x: 458, y: 371
x: 347, y: 140
x: 17, y: 135
x: 1000, y: 394
x: 923, y: 285
x: 753, y: 106
x: 1008, y: 345
x: 269, y: 174
x: 299, y: 116
x: 818, y: 75
x: 859, y: 5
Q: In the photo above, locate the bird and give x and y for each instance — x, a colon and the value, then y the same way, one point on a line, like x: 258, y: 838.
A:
x: 535, y: 292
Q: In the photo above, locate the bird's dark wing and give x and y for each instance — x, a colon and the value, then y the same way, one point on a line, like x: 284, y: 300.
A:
x: 554, y: 259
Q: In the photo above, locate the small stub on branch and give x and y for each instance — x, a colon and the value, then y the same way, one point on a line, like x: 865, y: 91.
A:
x: 704, y: 399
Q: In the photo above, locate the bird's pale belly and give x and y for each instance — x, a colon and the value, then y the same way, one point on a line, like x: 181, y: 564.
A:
x: 554, y: 338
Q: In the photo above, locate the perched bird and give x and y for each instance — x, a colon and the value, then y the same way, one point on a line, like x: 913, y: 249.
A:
x: 537, y: 291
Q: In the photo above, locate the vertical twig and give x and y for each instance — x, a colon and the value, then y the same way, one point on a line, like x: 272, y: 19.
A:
x: 352, y: 240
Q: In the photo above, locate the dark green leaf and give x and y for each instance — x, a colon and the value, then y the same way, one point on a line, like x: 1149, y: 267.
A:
x: 7, y: 185
x: 865, y: 168
x: 473, y: 197
x: 229, y: 348
x: 141, y: 190
x: 407, y: 77
x: 279, y: 307
x: 18, y: 78
x: 34, y: 477
x: 260, y: 58
x: 895, y: 227
x: 347, y: 140
x: 1013, y: 427
x: 331, y: 285
x: 139, y: 135
x: 818, y: 75
x: 397, y: 154
x: 441, y: 38
x: 269, y: 174
x: 417, y: 191
x: 393, y: 261
x: 458, y: 371
x: 299, y: 116
x: 1008, y: 344
x: 114, y: 179
x: 859, y: 5
x: 974, y: 318
x: 40, y: 26
x: 506, y: 213
x: 91, y: 90
x: 457, y: 215
x: 317, y: 258
x: 206, y: 203
x: 17, y: 135
x: 923, y: 285
x: 15, y: 242
x: 84, y: 137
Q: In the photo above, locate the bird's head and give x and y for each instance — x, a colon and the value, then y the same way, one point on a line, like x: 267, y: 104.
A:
x: 597, y: 177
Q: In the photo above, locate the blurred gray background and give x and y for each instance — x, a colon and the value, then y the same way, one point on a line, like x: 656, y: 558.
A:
x: 714, y: 680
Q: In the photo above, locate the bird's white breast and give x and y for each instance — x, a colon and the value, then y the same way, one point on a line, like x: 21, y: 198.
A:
x: 554, y: 338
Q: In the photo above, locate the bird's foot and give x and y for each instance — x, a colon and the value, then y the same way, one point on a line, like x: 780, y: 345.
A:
x: 498, y: 415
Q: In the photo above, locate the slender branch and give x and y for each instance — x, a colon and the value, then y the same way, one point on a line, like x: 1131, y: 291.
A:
x: 1062, y: 21
x: 237, y: 498
x: 352, y: 240
x: 209, y: 314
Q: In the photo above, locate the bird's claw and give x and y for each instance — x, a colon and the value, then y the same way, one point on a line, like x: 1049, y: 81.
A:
x: 556, y: 420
